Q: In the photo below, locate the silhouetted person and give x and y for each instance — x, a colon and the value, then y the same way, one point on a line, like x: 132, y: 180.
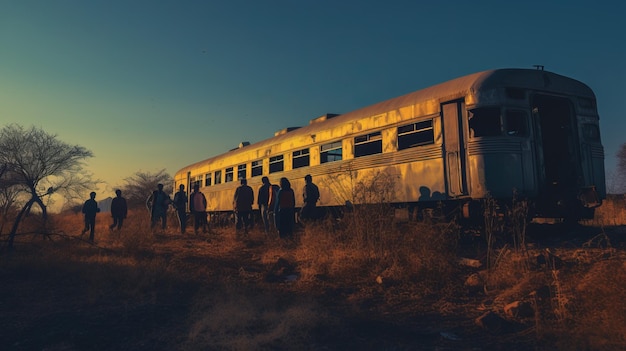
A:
x: 180, y: 204
x: 90, y: 209
x: 243, y: 200
x: 197, y: 206
x: 119, y: 210
x: 273, y: 194
x: 310, y: 195
x: 285, y: 209
x: 158, y: 203
x: 263, y: 200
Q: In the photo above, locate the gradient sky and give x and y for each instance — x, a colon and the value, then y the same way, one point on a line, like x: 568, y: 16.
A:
x: 149, y: 85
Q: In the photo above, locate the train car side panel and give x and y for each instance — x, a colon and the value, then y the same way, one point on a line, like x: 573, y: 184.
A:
x: 490, y: 134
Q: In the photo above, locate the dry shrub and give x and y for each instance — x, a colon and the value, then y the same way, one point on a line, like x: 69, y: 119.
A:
x: 509, y: 270
x: 596, y: 319
x: 363, y: 238
x: 586, y: 306
x: 318, y: 253
x: 435, y: 246
x: 504, y: 229
x: 417, y: 253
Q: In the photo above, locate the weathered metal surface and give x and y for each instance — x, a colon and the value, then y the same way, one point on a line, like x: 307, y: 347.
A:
x: 452, y: 162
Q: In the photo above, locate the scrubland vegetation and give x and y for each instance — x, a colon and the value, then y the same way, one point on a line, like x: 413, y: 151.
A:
x: 370, y: 281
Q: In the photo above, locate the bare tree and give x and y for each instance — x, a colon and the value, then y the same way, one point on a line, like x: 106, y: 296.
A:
x: 9, y: 191
x: 142, y: 184
x: 41, y: 165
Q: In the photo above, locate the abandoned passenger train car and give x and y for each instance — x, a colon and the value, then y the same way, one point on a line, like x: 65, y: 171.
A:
x: 495, y: 134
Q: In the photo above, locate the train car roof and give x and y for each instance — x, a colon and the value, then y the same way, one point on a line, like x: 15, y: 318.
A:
x: 485, y: 80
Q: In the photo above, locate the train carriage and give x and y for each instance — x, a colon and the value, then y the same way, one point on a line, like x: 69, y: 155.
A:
x: 497, y: 134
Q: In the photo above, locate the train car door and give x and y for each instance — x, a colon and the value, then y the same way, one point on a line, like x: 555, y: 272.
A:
x: 454, y: 147
x: 560, y: 170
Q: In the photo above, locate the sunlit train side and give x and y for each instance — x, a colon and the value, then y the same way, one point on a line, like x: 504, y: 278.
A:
x: 499, y: 134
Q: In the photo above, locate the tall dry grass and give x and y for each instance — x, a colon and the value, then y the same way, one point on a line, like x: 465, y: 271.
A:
x: 213, y: 287
x: 577, y: 293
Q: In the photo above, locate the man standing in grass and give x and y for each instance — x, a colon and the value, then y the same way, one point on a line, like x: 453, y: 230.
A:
x: 158, y: 203
x: 310, y: 195
x: 197, y: 206
x: 244, y: 198
x: 285, y: 209
x: 90, y: 209
x: 263, y: 200
x: 180, y: 204
x: 119, y: 210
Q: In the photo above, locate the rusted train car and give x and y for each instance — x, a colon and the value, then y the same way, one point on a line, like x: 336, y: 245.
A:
x: 495, y: 134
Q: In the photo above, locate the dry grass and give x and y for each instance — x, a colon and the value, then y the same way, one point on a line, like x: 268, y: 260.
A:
x: 583, y: 305
x: 611, y: 213
x: 231, y: 319
x: 364, y: 282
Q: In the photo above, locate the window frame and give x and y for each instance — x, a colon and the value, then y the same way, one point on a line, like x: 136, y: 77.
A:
x: 301, y: 158
x: 415, y: 131
x: 485, y: 126
x: 217, y: 177
x: 242, y: 168
x: 229, y: 175
x: 329, y: 149
x: 256, y: 168
x: 371, y: 144
x: 277, y: 163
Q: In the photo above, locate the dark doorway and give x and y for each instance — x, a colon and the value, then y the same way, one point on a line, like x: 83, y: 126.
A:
x: 557, y: 128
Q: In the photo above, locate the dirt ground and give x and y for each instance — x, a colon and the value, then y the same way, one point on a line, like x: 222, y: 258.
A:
x: 197, y: 296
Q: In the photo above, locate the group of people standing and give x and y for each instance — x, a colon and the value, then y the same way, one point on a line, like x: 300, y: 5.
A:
x: 276, y: 204
x: 197, y: 208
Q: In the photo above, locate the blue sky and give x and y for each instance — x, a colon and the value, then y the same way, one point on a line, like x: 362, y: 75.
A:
x: 151, y: 85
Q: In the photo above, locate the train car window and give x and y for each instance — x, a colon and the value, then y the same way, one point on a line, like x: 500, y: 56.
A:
x: 241, y: 172
x: 416, y: 134
x: 516, y: 123
x: 331, y: 152
x: 276, y: 164
x: 300, y: 158
x: 591, y: 132
x: 207, y: 179
x: 485, y: 121
x: 218, y: 177
x: 229, y: 175
x: 257, y: 168
x: 368, y: 144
